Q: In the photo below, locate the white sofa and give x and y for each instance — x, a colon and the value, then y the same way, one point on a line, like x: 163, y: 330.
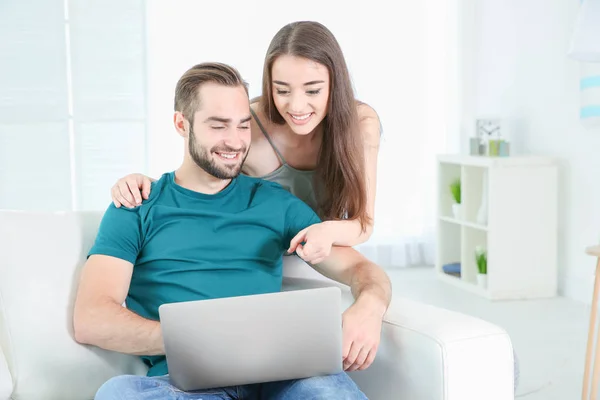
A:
x: 427, y: 353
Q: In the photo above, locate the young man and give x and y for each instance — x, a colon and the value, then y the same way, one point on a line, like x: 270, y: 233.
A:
x: 208, y: 232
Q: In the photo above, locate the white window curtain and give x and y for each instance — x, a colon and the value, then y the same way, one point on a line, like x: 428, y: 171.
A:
x: 400, y: 58
x: 415, y: 90
x: 72, y: 101
x: 34, y: 138
x: 109, y: 107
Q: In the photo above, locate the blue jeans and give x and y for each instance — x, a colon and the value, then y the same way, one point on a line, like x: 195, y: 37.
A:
x: 131, y: 387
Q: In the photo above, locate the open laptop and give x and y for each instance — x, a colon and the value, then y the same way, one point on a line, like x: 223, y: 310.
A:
x: 253, y: 339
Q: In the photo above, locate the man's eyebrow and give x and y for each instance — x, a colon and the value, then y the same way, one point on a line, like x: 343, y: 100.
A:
x: 306, y: 84
x: 226, y: 120
x: 218, y: 119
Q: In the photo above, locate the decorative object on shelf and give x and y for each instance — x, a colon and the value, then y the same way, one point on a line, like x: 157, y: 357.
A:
x: 486, y: 128
x: 473, y: 146
x: 498, y: 148
x: 504, y: 149
x: 452, y: 269
x: 455, y: 190
x: 489, y: 133
x: 585, y: 48
x: 476, y: 147
x: 481, y: 260
x: 493, y: 145
x: 482, y: 213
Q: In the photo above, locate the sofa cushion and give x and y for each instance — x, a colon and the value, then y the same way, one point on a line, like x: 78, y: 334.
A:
x: 41, y: 255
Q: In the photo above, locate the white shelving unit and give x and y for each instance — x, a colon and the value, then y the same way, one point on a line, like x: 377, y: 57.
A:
x: 518, y: 228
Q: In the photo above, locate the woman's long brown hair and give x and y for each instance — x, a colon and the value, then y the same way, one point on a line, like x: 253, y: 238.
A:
x: 341, y: 169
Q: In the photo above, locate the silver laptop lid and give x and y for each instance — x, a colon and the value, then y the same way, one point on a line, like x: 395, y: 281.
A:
x: 253, y: 339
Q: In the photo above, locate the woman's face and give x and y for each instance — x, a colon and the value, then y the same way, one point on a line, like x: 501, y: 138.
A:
x: 300, y: 92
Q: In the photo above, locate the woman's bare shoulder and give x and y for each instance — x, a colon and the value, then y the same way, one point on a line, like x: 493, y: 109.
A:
x: 370, y: 125
x: 365, y: 112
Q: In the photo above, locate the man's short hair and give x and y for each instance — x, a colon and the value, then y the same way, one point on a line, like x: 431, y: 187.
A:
x: 187, y: 97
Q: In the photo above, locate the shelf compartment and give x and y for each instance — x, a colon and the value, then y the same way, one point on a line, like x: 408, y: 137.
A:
x: 450, y: 251
x: 472, y: 238
x: 475, y: 194
x: 447, y: 173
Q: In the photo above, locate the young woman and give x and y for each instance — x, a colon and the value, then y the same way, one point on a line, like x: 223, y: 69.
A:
x: 310, y: 135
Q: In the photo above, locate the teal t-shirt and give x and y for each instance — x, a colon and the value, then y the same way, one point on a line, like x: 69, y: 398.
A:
x: 186, y: 245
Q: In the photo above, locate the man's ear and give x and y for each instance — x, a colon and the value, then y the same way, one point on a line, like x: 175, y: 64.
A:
x: 181, y: 124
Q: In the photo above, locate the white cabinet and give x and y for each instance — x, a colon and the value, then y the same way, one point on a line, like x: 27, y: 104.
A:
x: 509, y: 207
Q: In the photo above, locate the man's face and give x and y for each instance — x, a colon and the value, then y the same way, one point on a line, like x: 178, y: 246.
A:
x: 220, y: 136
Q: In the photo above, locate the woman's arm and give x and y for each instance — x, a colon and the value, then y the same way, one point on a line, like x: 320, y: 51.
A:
x: 349, y: 232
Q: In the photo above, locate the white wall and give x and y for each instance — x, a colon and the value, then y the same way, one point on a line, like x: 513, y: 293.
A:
x: 80, y: 81
x: 398, y: 62
x: 515, y: 65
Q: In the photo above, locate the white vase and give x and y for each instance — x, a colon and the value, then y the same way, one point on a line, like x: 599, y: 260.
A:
x: 456, y: 211
x: 482, y: 280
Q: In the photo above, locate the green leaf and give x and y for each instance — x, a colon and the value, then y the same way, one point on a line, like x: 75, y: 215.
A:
x: 481, y: 260
x: 455, y: 190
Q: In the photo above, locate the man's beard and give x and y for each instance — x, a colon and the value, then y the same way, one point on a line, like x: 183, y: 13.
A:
x: 202, y: 158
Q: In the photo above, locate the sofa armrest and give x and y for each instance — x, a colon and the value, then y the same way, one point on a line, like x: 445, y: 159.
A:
x: 431, y: 353
x: 6, y: 384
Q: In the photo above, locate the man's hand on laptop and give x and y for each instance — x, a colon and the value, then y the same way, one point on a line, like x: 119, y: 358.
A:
x: 361, y: 334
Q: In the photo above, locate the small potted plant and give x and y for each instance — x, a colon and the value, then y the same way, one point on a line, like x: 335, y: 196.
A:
x: 456, y: 196
x: 481, y: 260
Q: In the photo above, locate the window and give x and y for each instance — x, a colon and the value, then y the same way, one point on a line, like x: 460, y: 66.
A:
x: 72, y: 114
